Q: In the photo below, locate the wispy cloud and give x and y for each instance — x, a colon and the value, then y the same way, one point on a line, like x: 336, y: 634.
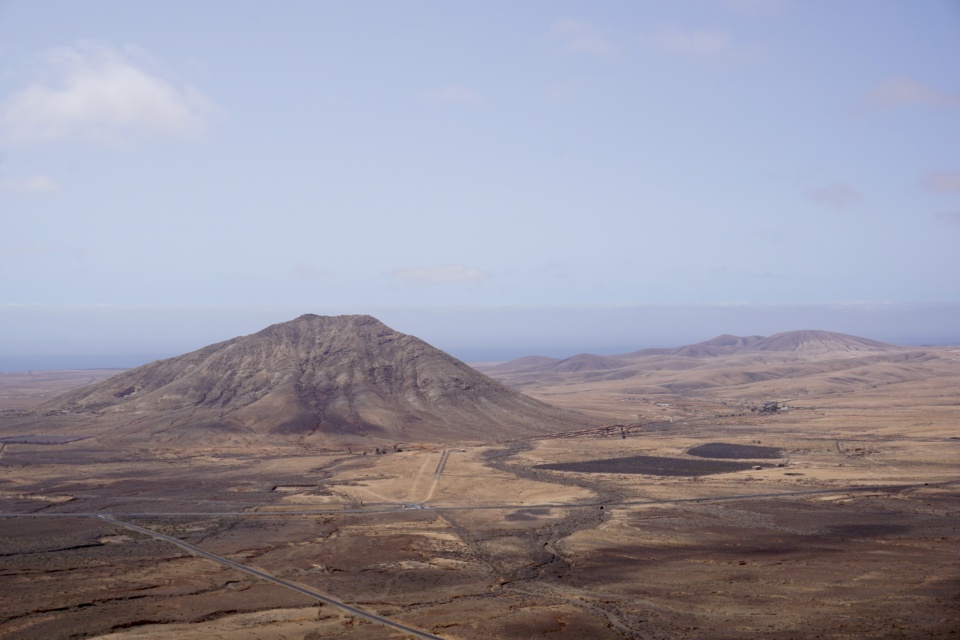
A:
x: 951, y: 218
x: 565, y: 89
x: 36, y: 184
x: 837, y: 194
x: 942, y: 181
x: 755, y: 8
x: 558, y: 270
x: 578, y: 37
x: 37, y: 251
x: 96, y: 93
x: 449, y: 274
x: 691, y: 43
x: 455, y: 94
x: 902, y: 91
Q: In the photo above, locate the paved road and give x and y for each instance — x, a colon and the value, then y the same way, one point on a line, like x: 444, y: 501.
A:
x: 360, y: 613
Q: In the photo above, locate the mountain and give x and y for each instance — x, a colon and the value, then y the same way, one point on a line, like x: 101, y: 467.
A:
x: 724, y: 364
x: 526, y: 363
x: 806, y: 342
x: 323, y: 380
x: 719, y: 346
x: 820, y: 342
x: 587, y: 362
x: 794, y: 364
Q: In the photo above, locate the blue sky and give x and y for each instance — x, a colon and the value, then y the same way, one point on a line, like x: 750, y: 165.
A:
x: 535, y: 176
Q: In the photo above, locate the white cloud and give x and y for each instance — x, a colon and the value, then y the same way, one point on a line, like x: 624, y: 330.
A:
x: 36, y: 184
x: 903, y: 91
x: 942, y: 181
x: 837, y: 194
x: 449, y: 274
x: 580, y: 37
x: 691, y: 43
x: 96, y: 93
x: 455, y: 94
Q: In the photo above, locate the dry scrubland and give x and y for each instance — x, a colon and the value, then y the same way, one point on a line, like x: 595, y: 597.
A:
x: 20, y: 391
x: 850, y: 530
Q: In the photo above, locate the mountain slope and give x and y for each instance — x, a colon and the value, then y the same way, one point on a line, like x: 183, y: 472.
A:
x: 721, y: 345
x: 803, y: 342
x: 792, y: 363
x: 810, y: 342
x: 331, y: 379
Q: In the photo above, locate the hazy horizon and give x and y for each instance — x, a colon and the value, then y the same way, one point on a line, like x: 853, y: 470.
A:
x: 495, y: 178
x: 103, y: 336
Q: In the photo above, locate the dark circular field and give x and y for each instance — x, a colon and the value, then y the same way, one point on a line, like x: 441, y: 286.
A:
x: 649, y: 465
x: 727, y: 451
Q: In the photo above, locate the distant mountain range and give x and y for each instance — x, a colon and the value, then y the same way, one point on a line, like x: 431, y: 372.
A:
x: 806, y: 343
x: 351, y: 380
x: 785, y: 365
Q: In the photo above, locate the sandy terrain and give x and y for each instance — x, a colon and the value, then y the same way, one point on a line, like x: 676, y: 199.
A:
x: 20, y: 391
x: 853, y: 531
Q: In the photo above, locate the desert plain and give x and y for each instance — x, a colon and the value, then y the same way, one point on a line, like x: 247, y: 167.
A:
x: 804, y: 490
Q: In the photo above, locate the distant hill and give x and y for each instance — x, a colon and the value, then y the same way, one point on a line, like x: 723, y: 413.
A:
x: 526, y: 363
x: 792, y: 363
x: 806, y: 341
x: 587, y: 362
x: 820, y: 342
x: 327, y: 380
x: 721, y: 345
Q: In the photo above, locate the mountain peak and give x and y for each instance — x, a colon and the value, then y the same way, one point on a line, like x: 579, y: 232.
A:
x: 329, y: 378
x: 817, y: 341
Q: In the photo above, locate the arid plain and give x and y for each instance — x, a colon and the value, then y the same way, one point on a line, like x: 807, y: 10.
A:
x: 826, y: 506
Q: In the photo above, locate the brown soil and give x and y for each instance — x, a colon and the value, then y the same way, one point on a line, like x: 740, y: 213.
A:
x: 858, y: 536
x: 25, y: 390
